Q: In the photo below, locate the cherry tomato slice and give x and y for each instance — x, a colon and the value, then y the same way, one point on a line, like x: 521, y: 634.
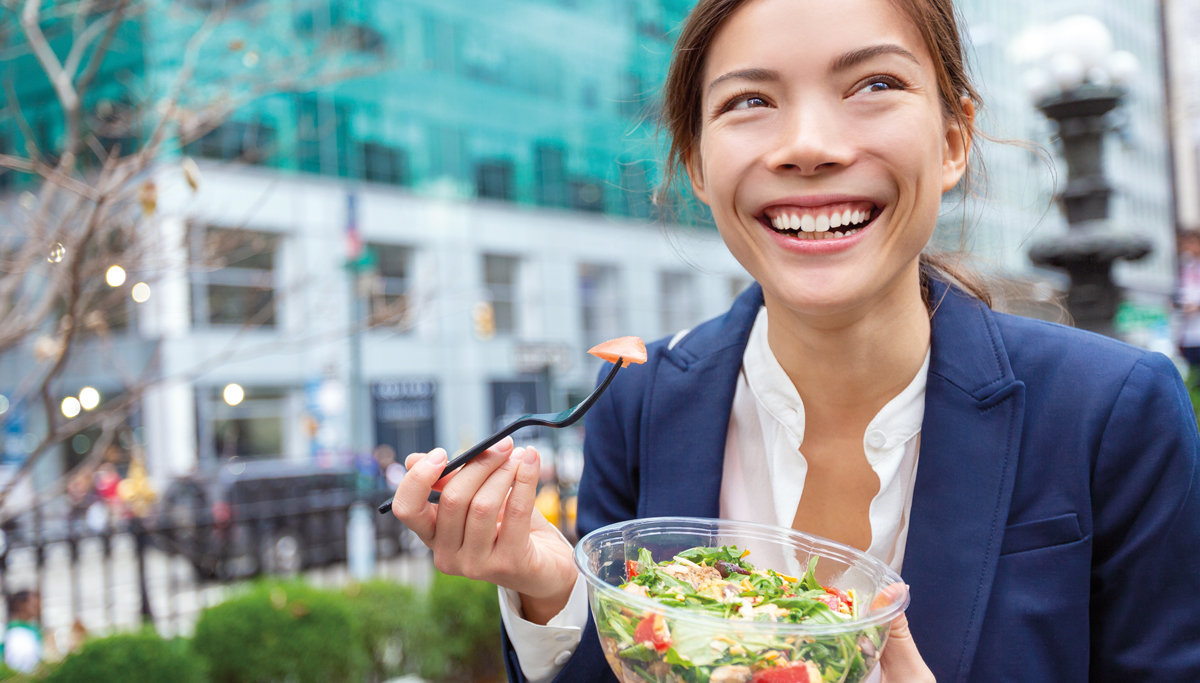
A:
x: 630, y: 569
x: 653, y: 631
x: 796, y: 673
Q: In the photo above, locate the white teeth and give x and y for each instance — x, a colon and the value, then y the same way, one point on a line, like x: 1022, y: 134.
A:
x: 839, y: 234
x: 794, y: 222
x: 822, y: 223
x: 807, y: 224
x: 845, y: 217
x: 835, y: 221
x: 775, y: 223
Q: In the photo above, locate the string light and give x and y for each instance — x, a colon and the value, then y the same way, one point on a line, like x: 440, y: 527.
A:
x: 115, y: 277
x: 70, y: 406
x: 89, y: 398
x: 141, y: 292
x: 233, y: 394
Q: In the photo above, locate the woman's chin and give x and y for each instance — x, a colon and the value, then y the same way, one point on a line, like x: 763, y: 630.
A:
x: 811, y: 298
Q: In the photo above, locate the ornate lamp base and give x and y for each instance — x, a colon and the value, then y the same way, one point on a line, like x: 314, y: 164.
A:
x: 1087, y: 254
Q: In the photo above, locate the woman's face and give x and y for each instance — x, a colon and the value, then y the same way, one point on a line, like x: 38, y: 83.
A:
x: 823, y: 150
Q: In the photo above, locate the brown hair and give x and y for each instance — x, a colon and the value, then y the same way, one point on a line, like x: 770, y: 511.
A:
x: 938, y: 25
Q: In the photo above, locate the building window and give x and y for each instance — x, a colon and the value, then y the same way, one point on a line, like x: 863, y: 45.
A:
x: 383, y: 164
x: 447, y: 145
x: 252, y: 143
x: 404, y: 415
x: 679, y: 307
x: 494, y: 179
x: 600, y: 303
x: 514, y: 399
x: 587, y: 195
x: 322, y: 136
x: 500, y: 278
x: 251, y: 429
x: 550, y: 186
x: 636, y: 189
x: 390, y: 295
x: 233, y: 277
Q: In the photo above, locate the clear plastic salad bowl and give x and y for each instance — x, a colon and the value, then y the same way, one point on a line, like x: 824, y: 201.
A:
x: 696, y: 647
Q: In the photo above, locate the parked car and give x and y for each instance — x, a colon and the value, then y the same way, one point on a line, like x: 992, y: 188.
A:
x: 262, y: 516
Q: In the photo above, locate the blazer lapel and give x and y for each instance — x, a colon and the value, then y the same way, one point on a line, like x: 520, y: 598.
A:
x: 970, y: 438
x: 687, y: 412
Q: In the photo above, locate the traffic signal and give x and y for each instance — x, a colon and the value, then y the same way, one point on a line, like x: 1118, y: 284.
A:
x: 484, y: 317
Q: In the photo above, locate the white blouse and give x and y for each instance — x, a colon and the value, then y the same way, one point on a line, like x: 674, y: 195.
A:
x: 762, y: 481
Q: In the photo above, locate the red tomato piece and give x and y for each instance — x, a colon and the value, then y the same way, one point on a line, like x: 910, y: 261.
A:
x: 800, y: 672
x: 629, y: 349
x: 653, y: 632
x: 841, y: 594
x: 830, y: 601
x: 630, y: 569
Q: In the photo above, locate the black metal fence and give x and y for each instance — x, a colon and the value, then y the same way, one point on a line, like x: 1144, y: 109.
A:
x: 106, y: 571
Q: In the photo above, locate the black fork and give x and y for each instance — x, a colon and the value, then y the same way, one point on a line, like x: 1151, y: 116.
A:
x: 554, y: 420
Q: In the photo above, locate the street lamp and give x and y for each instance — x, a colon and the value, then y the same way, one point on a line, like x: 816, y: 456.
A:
x: 1075, y: 79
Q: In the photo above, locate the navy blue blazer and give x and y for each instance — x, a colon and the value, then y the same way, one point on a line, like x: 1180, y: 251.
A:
x: 1055, y: 526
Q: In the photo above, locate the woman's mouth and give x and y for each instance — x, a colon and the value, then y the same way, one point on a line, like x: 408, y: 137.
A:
x: 828, y: 222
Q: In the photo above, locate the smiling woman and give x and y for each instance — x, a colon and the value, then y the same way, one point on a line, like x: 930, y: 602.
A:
x: 1021, y: 476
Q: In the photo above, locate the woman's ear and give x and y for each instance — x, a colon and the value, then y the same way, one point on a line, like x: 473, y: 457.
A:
x: 691, y: 164
x: 956, y: 151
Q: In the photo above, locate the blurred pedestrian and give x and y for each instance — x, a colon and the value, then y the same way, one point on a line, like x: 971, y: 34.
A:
x: 1187, y: 297
x: 23, y: 637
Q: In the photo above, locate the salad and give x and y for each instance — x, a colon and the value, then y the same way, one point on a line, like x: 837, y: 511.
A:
x: 719, y: 582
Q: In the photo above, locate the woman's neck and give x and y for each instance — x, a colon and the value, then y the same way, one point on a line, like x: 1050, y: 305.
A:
x: 847, y: 367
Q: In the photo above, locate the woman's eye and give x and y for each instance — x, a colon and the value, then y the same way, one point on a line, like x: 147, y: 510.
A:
x: 879, y: 84
x: 747, y: 102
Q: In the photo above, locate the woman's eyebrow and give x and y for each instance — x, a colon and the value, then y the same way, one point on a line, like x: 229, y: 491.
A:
x: 754, y: 75
x: 855, y: 57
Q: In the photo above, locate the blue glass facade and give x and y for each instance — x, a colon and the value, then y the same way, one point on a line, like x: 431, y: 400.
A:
x: 534, y: 102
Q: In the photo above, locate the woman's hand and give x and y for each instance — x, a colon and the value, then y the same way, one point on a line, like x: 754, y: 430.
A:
x: 486, y: 526
x: 901, y: 663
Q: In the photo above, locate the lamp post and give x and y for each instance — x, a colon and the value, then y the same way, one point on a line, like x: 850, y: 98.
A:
x: 1076, y: 79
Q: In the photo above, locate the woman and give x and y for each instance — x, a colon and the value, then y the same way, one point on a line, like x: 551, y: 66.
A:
x: 1036, y: 485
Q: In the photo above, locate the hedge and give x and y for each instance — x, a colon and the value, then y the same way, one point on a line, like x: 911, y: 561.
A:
x: 139, y: 657
x: 289, y: 632
x: 281, y: 631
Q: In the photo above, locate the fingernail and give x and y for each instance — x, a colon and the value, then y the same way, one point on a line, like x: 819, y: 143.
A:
x: 437, y: 457
x: 515, y: 456
x: 529, y: 457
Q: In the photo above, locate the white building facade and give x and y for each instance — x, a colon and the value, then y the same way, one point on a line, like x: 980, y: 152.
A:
x: 550, y: 282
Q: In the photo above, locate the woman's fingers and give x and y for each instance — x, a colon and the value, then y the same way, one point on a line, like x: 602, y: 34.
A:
x: 479, y: 535
x: 901, y: 662
x: 411, y: 504
x: 518, y: 510
x: 458, y: 494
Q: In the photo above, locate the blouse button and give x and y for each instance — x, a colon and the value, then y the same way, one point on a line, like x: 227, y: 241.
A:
x: 876, y: 438
x: 563, y: 657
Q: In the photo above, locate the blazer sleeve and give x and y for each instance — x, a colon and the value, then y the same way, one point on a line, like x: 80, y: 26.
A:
x: 1145, y: 615
x: 608, y: 493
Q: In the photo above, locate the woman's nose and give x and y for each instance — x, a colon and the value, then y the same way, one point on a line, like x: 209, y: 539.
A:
x: 811, y: 141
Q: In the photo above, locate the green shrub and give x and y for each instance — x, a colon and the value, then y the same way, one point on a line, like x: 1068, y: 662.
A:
x: 139, y: 657
x: 281, y: 631
x: 10, y: 676
x: 390, y: 617
x: 460, y: 638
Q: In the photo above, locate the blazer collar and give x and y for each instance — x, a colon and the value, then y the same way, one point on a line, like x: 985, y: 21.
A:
x: 686, y: 411
x: 969, y: 443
